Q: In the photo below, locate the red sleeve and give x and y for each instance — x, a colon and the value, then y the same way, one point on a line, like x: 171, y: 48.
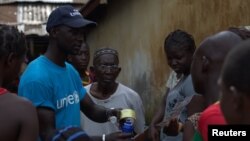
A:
x: 210, y: 116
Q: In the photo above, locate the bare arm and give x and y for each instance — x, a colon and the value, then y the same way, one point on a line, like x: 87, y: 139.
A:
x: 47, y: 125
x: 188, y: 131
x: 158, y: 117
x: 95, y: 112
x: 196, y: 105
x: 29, y: 122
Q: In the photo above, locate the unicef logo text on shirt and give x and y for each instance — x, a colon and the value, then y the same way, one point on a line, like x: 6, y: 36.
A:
x: 69, y: 100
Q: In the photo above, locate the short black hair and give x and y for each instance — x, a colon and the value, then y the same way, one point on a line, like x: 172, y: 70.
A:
x: 12, y: 41
x: 236, y: 69
x: 180, y: 38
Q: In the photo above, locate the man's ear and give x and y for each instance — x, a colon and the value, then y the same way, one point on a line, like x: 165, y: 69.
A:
x: 238, y: 99
x: 53, y: 31
x: 119, y: 70
x: 205, y: 64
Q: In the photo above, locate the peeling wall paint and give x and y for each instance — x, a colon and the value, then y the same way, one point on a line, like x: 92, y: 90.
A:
x: 137, y: 29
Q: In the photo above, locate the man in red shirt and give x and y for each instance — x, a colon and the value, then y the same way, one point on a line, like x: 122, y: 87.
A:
x: 205, y: 70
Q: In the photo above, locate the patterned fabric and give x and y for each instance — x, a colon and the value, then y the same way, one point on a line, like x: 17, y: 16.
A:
x: 179, y: 93
x: 194, y: 119
x: 102, y: 51
x: 183, y: 89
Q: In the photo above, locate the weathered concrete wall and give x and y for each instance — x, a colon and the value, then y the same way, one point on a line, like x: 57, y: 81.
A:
x: 137, y: 28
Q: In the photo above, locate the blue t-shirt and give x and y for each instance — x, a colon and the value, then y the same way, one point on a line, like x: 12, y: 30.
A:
x: 46, y: 84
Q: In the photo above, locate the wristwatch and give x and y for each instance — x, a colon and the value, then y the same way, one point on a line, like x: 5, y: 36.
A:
x: 112, y: 118
x: 109, y: 113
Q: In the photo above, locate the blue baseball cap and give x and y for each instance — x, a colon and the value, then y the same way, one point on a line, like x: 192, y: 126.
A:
x: 67, y: 15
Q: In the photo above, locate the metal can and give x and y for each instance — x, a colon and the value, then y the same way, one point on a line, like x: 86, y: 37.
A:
x: 127, y: 120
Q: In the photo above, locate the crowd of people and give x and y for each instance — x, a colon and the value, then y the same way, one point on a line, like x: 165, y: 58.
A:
x: 61, y: 98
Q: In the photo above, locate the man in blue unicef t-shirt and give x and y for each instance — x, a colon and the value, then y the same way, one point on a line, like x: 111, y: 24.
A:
x: 55, y: 87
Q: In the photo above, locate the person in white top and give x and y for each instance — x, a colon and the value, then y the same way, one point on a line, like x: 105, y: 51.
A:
x: 106, y: 91
x: 173, y: 79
